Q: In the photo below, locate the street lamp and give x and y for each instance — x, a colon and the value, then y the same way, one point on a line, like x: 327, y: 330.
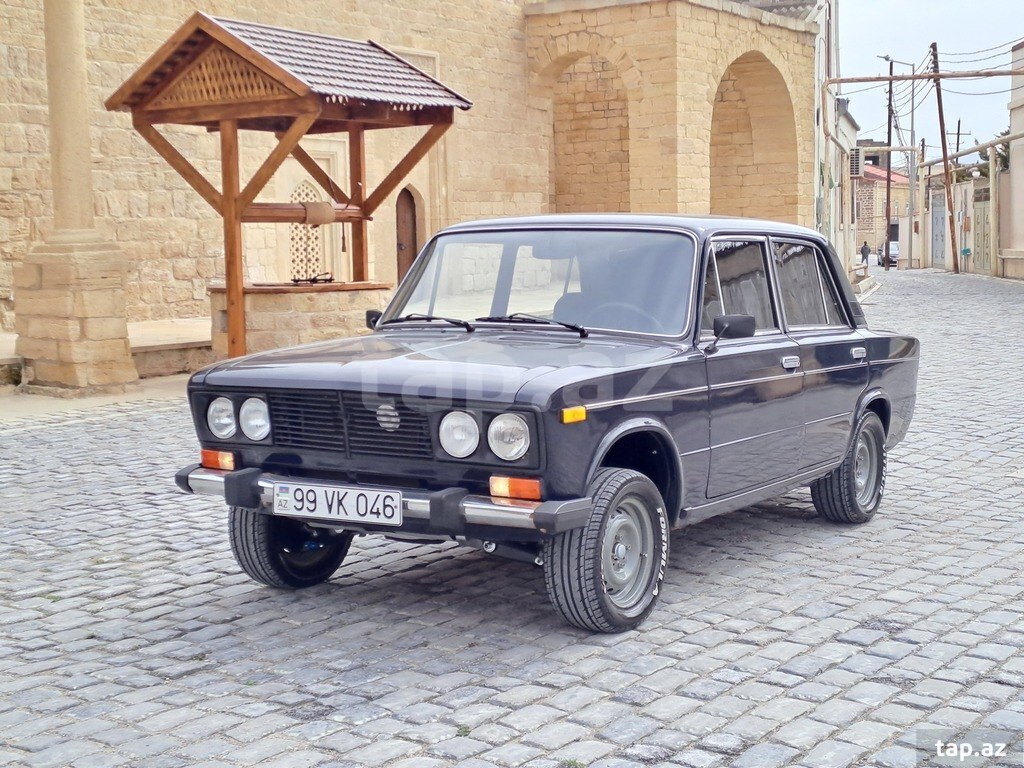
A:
x: 911, y: 163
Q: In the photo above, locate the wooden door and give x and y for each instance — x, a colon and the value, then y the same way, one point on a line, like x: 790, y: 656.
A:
x: 405, y: 225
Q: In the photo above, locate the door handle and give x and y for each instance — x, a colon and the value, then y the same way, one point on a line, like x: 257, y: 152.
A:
x: 859, y: 353
x: 790, y: 362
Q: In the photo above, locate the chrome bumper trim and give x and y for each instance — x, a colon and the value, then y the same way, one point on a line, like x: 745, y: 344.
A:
x: 476, y: 510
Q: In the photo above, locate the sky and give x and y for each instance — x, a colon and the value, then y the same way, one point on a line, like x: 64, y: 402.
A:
x: 904, y: 29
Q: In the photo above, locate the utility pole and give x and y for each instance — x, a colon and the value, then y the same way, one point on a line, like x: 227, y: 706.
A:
x: 912, y: 166
x: 945, y: 161
x: 888, y: 175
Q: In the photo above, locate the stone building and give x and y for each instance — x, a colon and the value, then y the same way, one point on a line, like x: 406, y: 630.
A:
x: 871, y: 224
x: 689, y: 106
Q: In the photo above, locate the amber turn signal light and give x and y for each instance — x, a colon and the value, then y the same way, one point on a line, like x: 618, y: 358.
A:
x: 217, y: 459
x: 515, y: 487
x: 574, y: 414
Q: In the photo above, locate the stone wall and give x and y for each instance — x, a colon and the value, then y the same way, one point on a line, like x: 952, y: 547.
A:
x: 671, y: 58
x: 170, y: 236
x: 656, y: 65
x: 591, y: 138
x: 281, y: 316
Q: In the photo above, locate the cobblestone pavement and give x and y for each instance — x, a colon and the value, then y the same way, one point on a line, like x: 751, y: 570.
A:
x: 129, y: 637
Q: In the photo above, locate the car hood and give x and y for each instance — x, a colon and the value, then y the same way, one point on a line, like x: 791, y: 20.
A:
x: 503, y: 365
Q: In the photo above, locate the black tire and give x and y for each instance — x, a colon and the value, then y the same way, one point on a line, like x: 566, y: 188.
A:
x: 852, y: 492
x: 284, y: 552
x: 593, y: 580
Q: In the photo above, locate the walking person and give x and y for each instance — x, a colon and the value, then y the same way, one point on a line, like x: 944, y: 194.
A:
x: 865, y: 251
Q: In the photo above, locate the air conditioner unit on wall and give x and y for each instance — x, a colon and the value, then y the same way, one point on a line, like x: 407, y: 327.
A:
x: 857, y: 162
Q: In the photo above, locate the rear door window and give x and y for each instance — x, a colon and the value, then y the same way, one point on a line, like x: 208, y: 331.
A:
x: 808, y: 296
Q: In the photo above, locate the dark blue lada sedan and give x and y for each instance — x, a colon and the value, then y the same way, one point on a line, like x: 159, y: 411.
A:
x: 564, y: 390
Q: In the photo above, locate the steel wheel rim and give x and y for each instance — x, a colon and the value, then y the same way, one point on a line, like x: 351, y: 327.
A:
x: 303, y: 550
x: 865, y: 469
x: 627, y: 554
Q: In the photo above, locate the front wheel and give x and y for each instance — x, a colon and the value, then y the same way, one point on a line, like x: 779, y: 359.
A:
x: 852, y: 492
x: 284, y: 552
x: 606, y: 576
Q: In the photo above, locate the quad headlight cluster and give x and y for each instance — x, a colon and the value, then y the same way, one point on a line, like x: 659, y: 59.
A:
x: 508, y: 435
x: 253, y: 418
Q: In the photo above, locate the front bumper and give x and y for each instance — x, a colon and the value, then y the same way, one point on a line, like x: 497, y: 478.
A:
x: 448, y: 512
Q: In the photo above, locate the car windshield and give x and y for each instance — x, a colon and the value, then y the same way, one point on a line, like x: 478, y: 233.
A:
x: 619, y: 280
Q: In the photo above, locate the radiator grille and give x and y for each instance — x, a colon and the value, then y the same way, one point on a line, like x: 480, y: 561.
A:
x: 307, y: 419
x: 411, y: 438
x: 321, y: 420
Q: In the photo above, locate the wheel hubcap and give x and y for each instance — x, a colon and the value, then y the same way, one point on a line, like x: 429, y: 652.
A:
x: 865, y: 469
x: 627, y: 554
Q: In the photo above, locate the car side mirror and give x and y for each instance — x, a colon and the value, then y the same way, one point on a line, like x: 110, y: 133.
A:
x: 731, y: 327
x: 372, y: 318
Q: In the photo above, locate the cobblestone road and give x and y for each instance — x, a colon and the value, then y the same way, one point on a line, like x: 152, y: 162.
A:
x: 129, y: 637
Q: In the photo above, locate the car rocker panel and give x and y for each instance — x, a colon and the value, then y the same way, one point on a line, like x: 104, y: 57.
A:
x: 562, y: 390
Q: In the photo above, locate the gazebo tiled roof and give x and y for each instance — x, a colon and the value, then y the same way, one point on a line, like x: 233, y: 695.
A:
x: 343, y: 69
x: 279, y: 63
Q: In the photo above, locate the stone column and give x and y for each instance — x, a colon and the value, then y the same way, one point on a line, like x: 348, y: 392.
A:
x: 69, y: 291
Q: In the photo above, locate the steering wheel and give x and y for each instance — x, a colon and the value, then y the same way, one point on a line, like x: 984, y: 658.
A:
x: 648, y: 323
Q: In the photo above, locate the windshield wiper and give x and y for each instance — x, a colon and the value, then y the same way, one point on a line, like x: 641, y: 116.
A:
x: 416, y: 316
x: 523, y: 317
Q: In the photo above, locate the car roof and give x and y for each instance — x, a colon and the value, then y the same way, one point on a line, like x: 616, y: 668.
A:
x: 702, y: 226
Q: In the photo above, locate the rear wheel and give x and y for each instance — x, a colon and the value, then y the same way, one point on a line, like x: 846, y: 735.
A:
x: 283, y: 552
x: 852, y: 492
x: 606, y: 576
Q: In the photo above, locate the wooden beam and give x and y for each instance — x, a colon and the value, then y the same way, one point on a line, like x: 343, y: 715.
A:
x: 387, y: 116
x: 234, y: 274
x: 405, y: 165
x: 173, y: 76
x: 284, y: 147
x: 318, y: 174
x: 214, y: 113
x: 292, y: 213
x: 177, y: 161
x: 128, y: 87
x: 357, y: 185
x: 250, y: 54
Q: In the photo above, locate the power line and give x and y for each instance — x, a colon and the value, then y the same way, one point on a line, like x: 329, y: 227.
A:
x: 984, y: 93
x: 997, y: 55
x: 983, y: 50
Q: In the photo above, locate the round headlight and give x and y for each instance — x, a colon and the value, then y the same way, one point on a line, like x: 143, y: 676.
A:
x: 459, y: 434
x: 254, y: 418
x: 509, y: 436
x: 220, y: 417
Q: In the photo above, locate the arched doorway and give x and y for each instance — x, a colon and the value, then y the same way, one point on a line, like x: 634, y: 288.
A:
x: 591, y: 138
x: 406, y: 244
x: 754, y: 159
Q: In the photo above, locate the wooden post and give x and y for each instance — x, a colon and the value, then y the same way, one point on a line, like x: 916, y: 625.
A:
x: 948, y: 173
x: 888, y: 177
x: 234, y: 274
x: 993, y: 213
x: 357, y: 194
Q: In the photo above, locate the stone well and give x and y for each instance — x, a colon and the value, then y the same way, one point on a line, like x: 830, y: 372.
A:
x: 278, y: 315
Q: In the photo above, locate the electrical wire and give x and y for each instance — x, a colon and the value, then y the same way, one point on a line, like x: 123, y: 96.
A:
x: 983, y: 93
x: 998, y: 55
x: 983, y: 50
x: 863, y: 90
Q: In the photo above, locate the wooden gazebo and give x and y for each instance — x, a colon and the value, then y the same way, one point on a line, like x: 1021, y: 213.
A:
x: 228, y: 75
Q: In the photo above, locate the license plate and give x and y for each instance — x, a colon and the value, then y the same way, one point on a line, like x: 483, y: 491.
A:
x: 338, y: 502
